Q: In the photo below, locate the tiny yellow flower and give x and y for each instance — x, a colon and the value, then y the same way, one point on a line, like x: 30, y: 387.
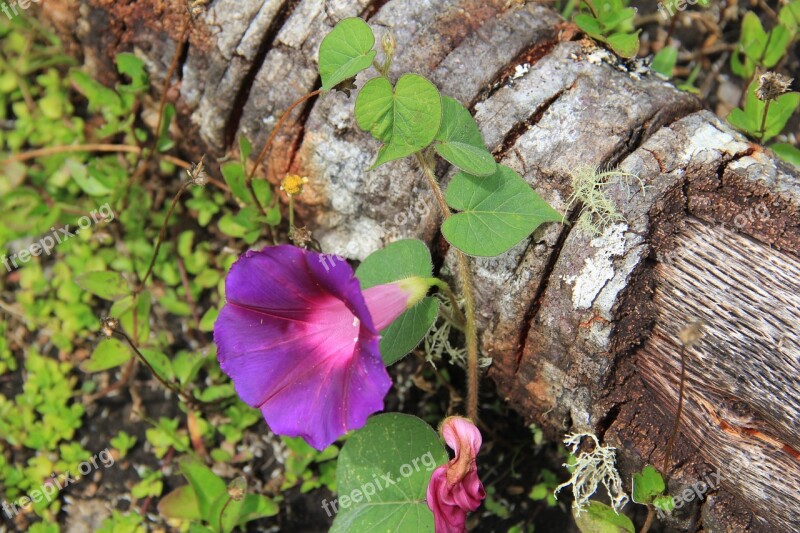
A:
x: 292, y: 184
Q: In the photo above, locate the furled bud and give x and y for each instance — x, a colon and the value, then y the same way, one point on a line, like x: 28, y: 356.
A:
x: 388, y: 44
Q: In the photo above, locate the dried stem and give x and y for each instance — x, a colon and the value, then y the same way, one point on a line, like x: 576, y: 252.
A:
x: 763, y: 130
x: 161, y: 234
x: 651, y: 514
x: 146, y: 363
x: 676, y: 425
x: 70, y: 148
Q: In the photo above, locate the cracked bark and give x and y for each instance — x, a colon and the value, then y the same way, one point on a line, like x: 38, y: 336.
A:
x: 582, y: 329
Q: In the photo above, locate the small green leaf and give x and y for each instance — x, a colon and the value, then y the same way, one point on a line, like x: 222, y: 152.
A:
x: 133, y: 67
x: 753, y: 38
x: 215, y: 393
x: 664, y: 61
x: 405, y: 118
x: 790, y: 15
x: 233, y: 173
x: 257, y: 506
x: 618, y: 18
x: 108, y: 353
x: 787, y: 152
x: 497, y: 212
x: 402, y: 447
x: 664, y: 503
x: 160, y: 363
x: 647, y: 484
x: 164, y: 141
x: 624, y: 44
x: 206, y: 484
x: 779, y: 38
x: 750, y: 118
x: 589, y: 25
x: 460, y: 142
x: 600, y: 518
x: 180, y: 504
x: 245, y: 149
x: 89, y: 183
x: 106, y: 284
x: 345, y: 51
x: 263, y: 190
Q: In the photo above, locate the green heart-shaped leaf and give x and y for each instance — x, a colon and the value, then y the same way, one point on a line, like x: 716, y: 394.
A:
x: 399, y: 260
x: 460, y: 141
x: 497, y: 212
x: 345, y: 51
x: 405, y: 449
x: 406, y: 119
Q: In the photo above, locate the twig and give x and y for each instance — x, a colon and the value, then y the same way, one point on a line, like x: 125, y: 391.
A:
x: 70, y: 148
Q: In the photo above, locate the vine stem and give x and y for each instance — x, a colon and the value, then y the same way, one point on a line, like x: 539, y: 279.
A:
x: 466, y: 289
x: 448, y: 291
x: 53, y: 150
x: 146, y: 363
x: 161, y: 234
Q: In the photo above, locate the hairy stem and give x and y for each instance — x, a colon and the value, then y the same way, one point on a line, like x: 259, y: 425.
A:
x: 459, y: 317
x: 466, y: 289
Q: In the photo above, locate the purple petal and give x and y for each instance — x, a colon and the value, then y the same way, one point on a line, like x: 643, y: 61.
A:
x: 297, y: 339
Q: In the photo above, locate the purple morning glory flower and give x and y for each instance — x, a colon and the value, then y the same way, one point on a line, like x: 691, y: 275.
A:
x: 299, y: 339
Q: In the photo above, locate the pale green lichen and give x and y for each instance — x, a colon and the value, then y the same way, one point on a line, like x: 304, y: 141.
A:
x: 597, y: 211
x: 592, y: 469
x: 437, y: 341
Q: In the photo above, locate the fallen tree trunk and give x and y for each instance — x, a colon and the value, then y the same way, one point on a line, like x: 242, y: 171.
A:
x: 583, y: 329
